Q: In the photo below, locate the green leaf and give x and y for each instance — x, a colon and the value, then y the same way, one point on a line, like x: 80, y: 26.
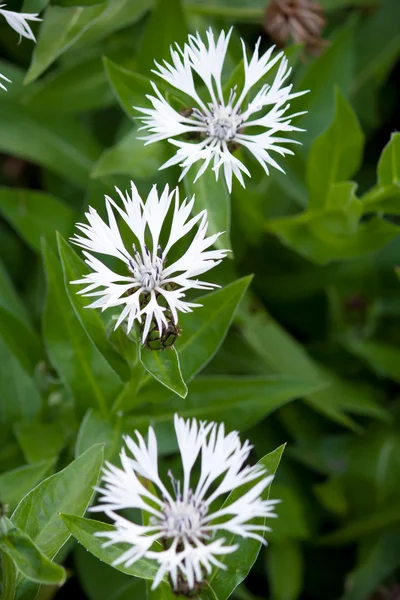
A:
x: 63, y: 28
x: 382, y: 357
x: 164, y: 366
x: 381, y: 559
x: 84, y: 531
x: 19, y: 397
x: 283, y: 354
x: 129, y: 88
x: 131, y: 157
x: 239, y: 563
x: 68, y: 490
x: 96, y: 429
x: 214, y: 197
x: 336, y: 154
x: 333, y: 68
x: 203, y: 331
x: 389, y: 163
x: 73, y: 269
x: 285, y: 570
x: 41, y: 441
x: 83, y: 369
x: 35, y: 215
x: 61, y: 145
x: 27, y: 558
x: 15, y: 484
x: 239, y: 402
x: 165, y: 27
x: 74, y: 88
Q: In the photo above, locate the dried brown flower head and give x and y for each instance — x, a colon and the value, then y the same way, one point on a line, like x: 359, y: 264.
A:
x: 299, y: 20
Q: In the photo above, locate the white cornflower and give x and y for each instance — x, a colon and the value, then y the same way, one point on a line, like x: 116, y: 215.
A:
x: 18, y: 21
x: 186, y: 524
x: 223, y: 120
x: 149, y: 286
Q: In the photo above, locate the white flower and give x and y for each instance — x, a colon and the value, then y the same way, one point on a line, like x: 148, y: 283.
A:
x: 185, y: 525
x: 18, y: 21
x: 149, y: 286
x: 224, y: 119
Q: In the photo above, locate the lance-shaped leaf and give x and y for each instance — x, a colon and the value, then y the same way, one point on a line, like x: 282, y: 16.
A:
x: 27, y: 557
x: 82, y: 367
x: 69, y: 490
x: 84, y: 530
x: 164, y: 366
x: 239, y: 563
x: 15, y: 484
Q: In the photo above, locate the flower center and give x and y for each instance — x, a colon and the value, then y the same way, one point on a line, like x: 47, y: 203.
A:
x: 147, y: 269
x: 183, y: 519
x: 223, y: 124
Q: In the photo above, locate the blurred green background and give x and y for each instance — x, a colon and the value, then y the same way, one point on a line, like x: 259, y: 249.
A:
x: 323, y: 308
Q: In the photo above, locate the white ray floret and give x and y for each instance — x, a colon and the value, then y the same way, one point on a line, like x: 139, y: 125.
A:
x: 186, y: 522
x: 150, y: 286
x: 224, y: 118
x: 19, y: 22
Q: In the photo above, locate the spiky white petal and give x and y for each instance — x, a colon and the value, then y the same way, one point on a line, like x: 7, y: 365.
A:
x: 184, y: 531
x: 19, y: 22
x: 150, y: 284
x: 223, y: 119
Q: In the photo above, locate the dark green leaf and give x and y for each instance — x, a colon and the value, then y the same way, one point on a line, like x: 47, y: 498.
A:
x: 15, y: 484
x: 285, y: 570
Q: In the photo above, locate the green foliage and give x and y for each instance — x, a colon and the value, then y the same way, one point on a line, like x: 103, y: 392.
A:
x: 309, y: 357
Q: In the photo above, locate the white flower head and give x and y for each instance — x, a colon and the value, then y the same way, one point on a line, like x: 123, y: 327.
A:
x: 19, y: 22
x: 187, y: 527
x: 225, y: 118
x: 150, y: 288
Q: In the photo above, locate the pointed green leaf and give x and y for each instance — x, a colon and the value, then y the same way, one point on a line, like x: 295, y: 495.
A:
x: 164, y: 366
x: 84, y: 531
x: 389, y: 163
x: 336, y: 154
x: 63, y: 28
x: 27, y: 558
x: 82, y: 367
x: 15, y: 484
x: 239, y: 563
x: 68, y: 490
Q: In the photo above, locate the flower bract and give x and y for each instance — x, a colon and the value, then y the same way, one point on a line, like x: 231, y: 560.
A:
x: 217, y: 120
x: 187, y: 527
x: 151, y: 289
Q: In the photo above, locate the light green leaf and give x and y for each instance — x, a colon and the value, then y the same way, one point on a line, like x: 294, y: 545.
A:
x: 214, y: 197
x: 68, y: 490
x: 239, y: 563
x: 63, y: 28
x: 35, y: 215
x: 73, y: 269
x: 41, y: 441
x: 336, y: 154
x: 76, y: 2
x: 164, y: 366
x: 15, y: 484
x: 389, y: 162
x: 129, y: 88
x: 82, y: 367
x: 27, y: 558
x: 84, y: 531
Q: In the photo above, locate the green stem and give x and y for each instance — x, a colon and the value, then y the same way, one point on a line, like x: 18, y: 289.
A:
x: 9, y: 577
